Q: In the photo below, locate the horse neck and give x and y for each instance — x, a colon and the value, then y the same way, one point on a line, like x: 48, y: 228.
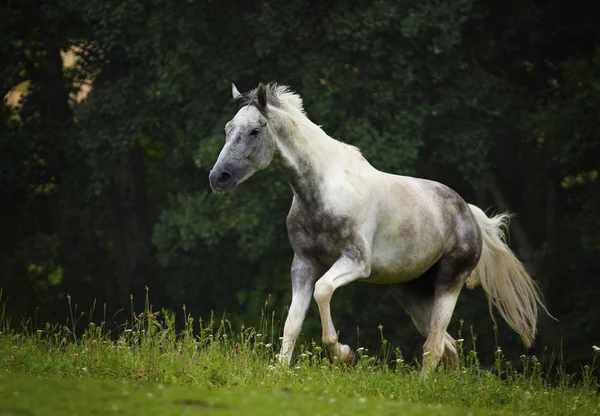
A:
x: 306, y: 153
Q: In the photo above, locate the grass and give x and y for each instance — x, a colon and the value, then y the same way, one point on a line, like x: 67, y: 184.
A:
x: 150, y: 368
x: 25, y: 395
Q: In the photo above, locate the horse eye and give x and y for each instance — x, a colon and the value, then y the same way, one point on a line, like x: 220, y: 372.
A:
x: 254, y: 132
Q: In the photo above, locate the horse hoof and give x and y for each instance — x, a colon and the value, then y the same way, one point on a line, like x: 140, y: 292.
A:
x: 348, y: 356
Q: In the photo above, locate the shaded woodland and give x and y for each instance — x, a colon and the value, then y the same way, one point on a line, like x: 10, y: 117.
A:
x: 113, y: 114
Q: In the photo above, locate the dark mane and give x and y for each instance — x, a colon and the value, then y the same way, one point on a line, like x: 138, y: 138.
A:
x: 251, y: 98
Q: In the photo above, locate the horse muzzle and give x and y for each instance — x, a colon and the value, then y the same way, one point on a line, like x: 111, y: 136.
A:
x: 222, y: 181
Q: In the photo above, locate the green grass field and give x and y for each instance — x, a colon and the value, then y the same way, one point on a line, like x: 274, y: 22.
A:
x: 147, y: 367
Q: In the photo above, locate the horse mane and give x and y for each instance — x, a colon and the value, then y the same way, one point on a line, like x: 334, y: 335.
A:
x: 281, y: 97
x: 278, y: 96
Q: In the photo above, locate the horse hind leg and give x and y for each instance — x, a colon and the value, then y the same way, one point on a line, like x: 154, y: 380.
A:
x: 450, y: 275
x: 417, y: 299
x: 435, y: 347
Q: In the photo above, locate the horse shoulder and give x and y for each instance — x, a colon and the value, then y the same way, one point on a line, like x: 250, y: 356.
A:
x: 298, y: 234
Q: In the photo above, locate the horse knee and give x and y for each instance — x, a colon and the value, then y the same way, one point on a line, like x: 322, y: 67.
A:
x: 329, y: 340
x: 323, y: 292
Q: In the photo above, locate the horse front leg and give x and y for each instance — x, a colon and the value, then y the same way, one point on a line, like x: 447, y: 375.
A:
x: 304, y: 274
x: 348, y: 268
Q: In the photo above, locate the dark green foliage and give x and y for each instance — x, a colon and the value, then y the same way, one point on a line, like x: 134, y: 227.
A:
x: 106, y: 195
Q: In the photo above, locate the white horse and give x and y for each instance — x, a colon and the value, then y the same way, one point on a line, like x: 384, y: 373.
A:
x: 349, y: 221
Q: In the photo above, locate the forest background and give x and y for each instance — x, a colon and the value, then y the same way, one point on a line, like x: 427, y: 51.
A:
x: 113, y: 114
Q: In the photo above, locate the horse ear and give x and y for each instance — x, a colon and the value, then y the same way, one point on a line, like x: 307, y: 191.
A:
x: 261, y: 94
x: 235, y: 93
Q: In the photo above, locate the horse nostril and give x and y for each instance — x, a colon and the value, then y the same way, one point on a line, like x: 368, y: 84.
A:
x: 223, y: 178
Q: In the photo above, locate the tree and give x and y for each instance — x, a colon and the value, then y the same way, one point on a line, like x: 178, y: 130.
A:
x: 104, y: 163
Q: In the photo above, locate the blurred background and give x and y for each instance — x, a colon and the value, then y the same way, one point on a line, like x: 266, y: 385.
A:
x: 113, y: 113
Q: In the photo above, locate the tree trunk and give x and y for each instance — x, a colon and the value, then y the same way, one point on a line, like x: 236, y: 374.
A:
x: 131, y: 228
x: 56, y: 110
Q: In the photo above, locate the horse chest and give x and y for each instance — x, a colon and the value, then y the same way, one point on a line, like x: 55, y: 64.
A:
x: 320, y: 235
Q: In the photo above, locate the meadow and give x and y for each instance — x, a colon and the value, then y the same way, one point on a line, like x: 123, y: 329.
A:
x: 149, y: 366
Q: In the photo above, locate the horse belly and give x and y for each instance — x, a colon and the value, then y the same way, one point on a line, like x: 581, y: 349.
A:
x: 398, y: 263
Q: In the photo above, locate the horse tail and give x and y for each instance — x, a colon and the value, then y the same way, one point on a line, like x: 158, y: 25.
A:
x: 504, y: 279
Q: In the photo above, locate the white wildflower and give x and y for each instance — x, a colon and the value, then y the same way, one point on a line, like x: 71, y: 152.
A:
x: 362, y: 400
x: 259, y: 335
x: 596, y: 348
x: 271, y: 367
x: 269, y: 345
x: 280, y: 338
x: 84, y: 369
x: 332, y: 400
x: 360, y: 349
x: 128, y: 330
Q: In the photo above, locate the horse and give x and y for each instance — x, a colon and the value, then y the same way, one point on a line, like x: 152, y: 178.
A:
x: 350, y: 222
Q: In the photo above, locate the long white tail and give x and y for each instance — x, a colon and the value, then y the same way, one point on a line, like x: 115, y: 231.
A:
x: 507, y: 284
